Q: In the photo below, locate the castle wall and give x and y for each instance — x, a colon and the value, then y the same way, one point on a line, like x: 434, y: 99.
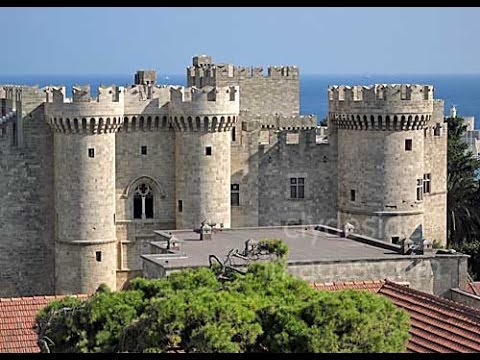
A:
x: 377, y: 172
x: 435, y: 163
x: 26, y: 212
x: 202, y: 182
x: 85, y: 208
x: 383, y: 175
x: 156, y: 169
x: 244, y: 172
x: 316, y: 163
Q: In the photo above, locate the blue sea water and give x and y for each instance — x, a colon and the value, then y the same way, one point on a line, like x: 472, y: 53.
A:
x: 461, y: 90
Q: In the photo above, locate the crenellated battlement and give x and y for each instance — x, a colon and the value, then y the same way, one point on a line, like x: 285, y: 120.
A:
x: 380, y: 106
x: 221, y: 71
x: 383, y: 92
x: 207, y: 101
x: 282, y: 122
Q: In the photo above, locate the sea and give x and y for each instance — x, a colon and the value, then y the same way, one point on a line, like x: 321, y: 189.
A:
x: 463, y: 91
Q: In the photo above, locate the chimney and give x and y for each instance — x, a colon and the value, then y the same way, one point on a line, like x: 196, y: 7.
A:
x: 427, y: 247
x: 205, y: 231
x: 407, y: 246
x: 347, y: 229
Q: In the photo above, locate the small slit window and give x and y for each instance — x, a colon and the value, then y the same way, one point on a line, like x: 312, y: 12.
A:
x: 419, y: 189
x: 235, y: 195
x: 426, y: 183
x: 208, y: 151
x: 91, y: 153
x: 233, y: 134
x: 408, y: 144
x: 180, y: 205
x: 98, y: 256
x: 437, y: 130
x: 144, y: 150
x: 352, y: 195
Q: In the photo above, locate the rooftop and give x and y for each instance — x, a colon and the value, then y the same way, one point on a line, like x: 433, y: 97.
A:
x: 17, y: 320
x: 437, y: 325
x: 306, y: 244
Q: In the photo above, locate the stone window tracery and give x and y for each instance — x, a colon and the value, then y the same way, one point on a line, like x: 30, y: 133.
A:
x: 143, y: 202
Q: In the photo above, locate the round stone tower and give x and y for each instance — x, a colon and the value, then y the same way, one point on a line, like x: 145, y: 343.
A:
x: 84, y: 167
x: 379, y: 132
x: 203, y: 119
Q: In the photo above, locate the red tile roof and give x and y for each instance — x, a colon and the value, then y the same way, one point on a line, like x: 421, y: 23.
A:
x: 437, y: 325
x: 473, y: 288
x: 17, y: 318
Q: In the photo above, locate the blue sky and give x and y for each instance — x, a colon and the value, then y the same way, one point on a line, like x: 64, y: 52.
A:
x: 318, y: 40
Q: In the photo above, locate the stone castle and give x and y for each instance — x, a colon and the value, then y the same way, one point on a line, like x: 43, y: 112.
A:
x: 85, y: 181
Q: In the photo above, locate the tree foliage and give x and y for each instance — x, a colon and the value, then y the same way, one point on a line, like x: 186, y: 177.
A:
x: 265, y: 310
x: 463, y: 191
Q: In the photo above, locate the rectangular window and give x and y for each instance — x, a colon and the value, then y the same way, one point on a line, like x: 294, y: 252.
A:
x: 437, y: 130
x: 352, y: 195
x: 91, y: 152
x: 208, y: 151
x: 408, y: 144
x: 180, y: 205
x: 395, y: 240
x: 235, y: 195
x: 297, y: 188
x: 426, y: 183
x: 98, y: 255
x: 233, y: 134
x: 419, y: 189
x: 144, y: 150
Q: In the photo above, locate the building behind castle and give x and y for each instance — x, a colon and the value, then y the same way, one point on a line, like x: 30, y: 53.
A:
x: 85, y: 181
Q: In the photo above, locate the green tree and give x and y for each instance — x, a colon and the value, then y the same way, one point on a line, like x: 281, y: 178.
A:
x: 264, y: 310
x: 463, y: 194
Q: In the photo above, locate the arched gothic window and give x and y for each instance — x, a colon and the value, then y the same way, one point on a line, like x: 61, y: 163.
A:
x: 143, y: 202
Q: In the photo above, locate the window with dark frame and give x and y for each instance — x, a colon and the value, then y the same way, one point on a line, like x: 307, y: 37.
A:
x: 208, y: 151
x: 408, y: 144
x: 143, y: 202
x: 235, y: 195
x: 297, y: 188
x: 426, y: 183
x: 419, y: 189
x: 91, y: 152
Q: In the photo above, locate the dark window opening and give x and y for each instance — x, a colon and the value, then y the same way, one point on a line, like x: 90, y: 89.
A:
x: 233, y: 133
x: 235, y: 195
x: 143, y: 202
x: 91, y: 152
x: 437, y: 130
x: 419, y: 189
x: 98, y: 255
x: 297, y: 188
x: 395, y: 240
x: 426, y: 183
x: 137, y: 206
x: 144, y: 150
x: 14, y: 135
x: 180, y: 205
x: 208, y: 151
x: 352, y: 195
x: 408, y: 145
